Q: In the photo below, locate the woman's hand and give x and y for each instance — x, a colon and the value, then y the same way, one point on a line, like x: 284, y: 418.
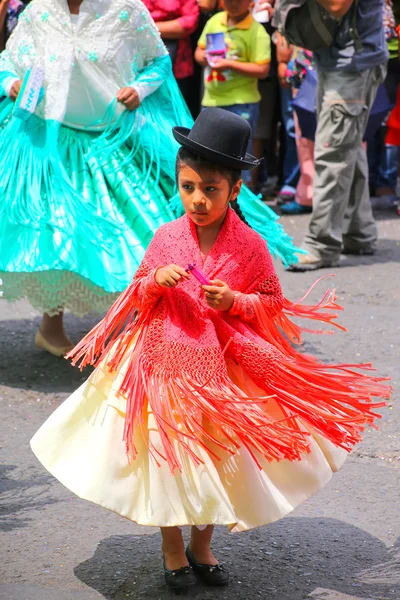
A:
x: 16, y: 88
x: 129, y: 97
x: 170, y: 276
x: 207, y: 6
x: 218, y: 295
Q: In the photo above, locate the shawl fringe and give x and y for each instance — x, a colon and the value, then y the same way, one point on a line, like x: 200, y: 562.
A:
x: 182, y: 408
x: 332, y: 400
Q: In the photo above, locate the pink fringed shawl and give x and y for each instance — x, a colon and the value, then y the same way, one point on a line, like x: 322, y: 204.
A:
x: 179, y: 363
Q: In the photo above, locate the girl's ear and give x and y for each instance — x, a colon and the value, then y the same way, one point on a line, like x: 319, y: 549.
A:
x: 236, y: 190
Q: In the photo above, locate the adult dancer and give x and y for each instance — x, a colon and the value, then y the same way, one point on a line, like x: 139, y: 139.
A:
x: 85, y: 180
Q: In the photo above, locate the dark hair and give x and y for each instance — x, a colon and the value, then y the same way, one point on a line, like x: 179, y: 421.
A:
x: 187, y: 157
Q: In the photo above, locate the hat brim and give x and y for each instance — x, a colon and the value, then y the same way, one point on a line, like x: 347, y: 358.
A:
x: 244, y: 164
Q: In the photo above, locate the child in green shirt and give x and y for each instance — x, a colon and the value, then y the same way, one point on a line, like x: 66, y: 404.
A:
x: 231, y: 79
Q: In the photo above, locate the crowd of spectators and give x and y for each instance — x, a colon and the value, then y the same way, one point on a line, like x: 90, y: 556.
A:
x: 257, y: 75
x: 226, y: 53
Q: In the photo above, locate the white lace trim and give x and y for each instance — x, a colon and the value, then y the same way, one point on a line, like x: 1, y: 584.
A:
x: 112, y: 42
x: 52, y: 291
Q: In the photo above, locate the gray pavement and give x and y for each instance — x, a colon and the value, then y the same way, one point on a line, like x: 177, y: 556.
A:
x: 343, y: 544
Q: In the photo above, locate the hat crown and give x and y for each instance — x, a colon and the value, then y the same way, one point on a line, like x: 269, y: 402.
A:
x: 222, y: 131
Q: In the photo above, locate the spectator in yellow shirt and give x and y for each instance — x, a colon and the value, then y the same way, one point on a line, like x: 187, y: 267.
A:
x: 232, y: 71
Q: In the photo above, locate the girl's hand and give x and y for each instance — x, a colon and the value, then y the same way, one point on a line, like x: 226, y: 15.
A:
x: 218, y: 295
x: 16, y: 88
x: 170, y: 276
x: 129, y: 97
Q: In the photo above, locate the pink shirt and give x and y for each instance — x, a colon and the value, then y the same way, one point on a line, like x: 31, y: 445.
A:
x: 187, y: 12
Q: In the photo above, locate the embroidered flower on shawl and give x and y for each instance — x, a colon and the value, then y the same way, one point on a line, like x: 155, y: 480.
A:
x: 93, y: 56
x: 24, y: 48
x: 124, y: 15
x: 45, y: 17
x: 24, y: 53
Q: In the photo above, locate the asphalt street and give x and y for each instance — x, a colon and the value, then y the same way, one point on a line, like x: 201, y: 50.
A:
x: 342, y: 544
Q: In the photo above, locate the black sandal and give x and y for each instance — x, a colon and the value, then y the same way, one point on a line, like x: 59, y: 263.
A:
x: 178, y: 579
x: 214, y: 575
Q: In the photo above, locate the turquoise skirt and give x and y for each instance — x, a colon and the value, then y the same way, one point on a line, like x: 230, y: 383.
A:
x: 79, y: 252
x: 56, y: 268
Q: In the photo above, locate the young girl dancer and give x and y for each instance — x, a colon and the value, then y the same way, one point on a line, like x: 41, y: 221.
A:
x: 200, y: 411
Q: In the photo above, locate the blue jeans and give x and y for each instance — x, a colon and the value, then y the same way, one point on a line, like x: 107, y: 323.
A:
x: 291, y: 167
x: 388, y: 167
x: 249, y: 112
x: 383, y: 159
x: 383, y: 162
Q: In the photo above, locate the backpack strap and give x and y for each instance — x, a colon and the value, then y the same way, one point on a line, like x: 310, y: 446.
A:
x: 315, y: 15
x: 324, y: 32
x: 283, y: 7
x: 353, y: 29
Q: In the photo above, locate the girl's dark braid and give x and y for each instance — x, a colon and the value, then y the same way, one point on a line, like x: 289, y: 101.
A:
x: 235, y: 206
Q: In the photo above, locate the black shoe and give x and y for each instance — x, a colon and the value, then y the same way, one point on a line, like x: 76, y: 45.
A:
x: 214, y: 575
x: 179, y: 579
x: 361, y: 251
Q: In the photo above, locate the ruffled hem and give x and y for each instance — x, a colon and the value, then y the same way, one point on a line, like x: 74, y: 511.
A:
x: 81, y: 444
x: 53, y: 291
x: 277, y: 513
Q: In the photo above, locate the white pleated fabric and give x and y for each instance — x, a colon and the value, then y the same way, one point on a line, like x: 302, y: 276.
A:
x: 81, y: 445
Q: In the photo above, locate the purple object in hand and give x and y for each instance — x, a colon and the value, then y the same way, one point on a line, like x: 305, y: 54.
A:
x: 198, y: 274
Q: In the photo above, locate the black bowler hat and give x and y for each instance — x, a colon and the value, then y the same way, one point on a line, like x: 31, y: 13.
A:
x: 221, y: 137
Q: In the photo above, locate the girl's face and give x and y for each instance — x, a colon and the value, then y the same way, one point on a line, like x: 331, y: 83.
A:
x: 205, y: 195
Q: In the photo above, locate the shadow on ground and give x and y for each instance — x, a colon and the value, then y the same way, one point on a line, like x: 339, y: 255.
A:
x: 27, y: 367
x: 388, y: 252
x: 285, y: 561
x: 17, y: 499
